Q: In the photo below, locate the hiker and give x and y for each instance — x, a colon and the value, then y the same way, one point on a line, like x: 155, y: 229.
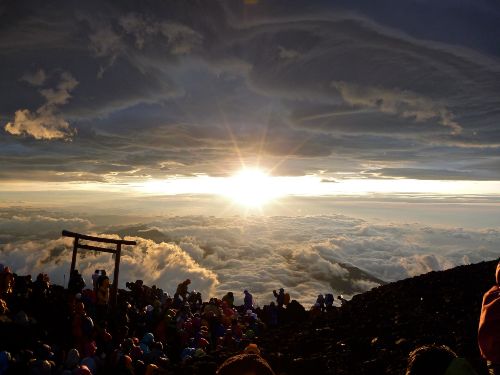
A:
x: 320, y: 301
x: 247, y: 300
x: 95, y: 277
x: 41, y: 287
x: 245, y: 364
x: 195, y: 299
x: 342, y: 300
x: 286, y: 299
x: 182, y: 289
x: 437, y: 360
x: 76, y: 282
x: 102, y: 298
x: 489, y: 327
x: 6, y: 282
x: 146, y: 342
x: 280, y: 297
x: 329, y: 301
x: 228, y: 299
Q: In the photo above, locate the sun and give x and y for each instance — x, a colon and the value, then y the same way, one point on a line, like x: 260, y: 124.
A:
x: 251, y: 187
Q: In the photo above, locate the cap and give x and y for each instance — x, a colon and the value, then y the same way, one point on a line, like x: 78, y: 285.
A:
x: 252, y: 349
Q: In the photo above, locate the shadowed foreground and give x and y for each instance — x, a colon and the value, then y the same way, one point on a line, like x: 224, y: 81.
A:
x: 375, y: 331
x: 371, y: 334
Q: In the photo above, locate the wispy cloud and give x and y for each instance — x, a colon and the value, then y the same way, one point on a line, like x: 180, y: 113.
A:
x: 36, y: 79
x: 402, y: 103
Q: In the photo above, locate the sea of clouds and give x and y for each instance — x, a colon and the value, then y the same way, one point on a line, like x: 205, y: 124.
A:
x: 302, y: 254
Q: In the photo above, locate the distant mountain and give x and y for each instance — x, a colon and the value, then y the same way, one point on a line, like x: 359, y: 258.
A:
x: 143, y: 231
x: 356, y: 282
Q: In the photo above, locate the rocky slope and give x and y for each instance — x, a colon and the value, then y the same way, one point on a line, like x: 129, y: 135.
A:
x: 375, y: 331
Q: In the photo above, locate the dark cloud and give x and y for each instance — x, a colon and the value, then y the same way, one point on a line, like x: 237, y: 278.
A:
x: 166, y: 88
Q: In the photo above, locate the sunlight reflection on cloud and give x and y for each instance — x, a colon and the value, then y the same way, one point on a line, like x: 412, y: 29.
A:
x: 306, y: 255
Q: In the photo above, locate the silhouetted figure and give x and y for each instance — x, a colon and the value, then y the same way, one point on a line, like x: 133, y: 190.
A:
x: 182, y: 289
x: 229, y: 299
x: 320, y: 301
x: 342, y: 300
x: 489, y: 326
x: 102, y: 298
x: 76, y: 282
x: 329, y: 301
x: 247, y: 300
x: 6, y: 282
x: 245, y: 364
x: 95, y: 277
x: 195, y: 299
x: 280, y: 297
x: 437, y: 360
x: 271, y: 314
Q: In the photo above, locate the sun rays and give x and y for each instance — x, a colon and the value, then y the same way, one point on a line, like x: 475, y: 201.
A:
x: 252, y: 187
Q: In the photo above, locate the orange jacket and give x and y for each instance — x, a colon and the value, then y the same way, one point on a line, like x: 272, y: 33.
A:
x: 489, y: 323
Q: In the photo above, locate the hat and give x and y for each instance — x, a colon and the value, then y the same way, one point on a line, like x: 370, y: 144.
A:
x: 252, y: 349
x: 72, y: 358
x: 149, y: 308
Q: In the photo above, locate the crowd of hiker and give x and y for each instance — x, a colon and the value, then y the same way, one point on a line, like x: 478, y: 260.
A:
x: 48, y: 329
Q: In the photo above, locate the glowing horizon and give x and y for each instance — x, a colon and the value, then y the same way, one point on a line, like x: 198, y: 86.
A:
x: 241, y: 190
x: 268, y: 185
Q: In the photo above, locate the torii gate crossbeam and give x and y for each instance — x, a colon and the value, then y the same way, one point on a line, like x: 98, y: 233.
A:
x: 77, y: 245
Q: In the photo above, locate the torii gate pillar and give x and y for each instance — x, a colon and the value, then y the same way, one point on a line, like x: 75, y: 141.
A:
x: 117, y: 252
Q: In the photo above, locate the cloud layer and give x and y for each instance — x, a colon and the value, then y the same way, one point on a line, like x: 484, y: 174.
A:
x: 305, y: 255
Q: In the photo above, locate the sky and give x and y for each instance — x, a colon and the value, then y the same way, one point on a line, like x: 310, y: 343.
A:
x: 126, y: 113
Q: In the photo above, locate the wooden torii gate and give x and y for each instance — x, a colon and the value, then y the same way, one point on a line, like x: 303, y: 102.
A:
x: 77, y: 245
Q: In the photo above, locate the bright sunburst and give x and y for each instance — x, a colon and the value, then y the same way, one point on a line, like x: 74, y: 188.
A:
x: 252, y: 188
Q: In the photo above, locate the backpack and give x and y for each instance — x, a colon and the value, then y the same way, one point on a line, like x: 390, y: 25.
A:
x: 286, y: 300
x: 329, y: 299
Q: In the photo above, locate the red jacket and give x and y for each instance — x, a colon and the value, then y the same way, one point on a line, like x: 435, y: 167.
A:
x: 489, y: 323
